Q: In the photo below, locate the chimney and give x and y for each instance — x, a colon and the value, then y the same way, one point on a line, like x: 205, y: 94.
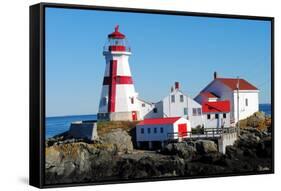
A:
x: 215, y: 75
x: 177, y: 85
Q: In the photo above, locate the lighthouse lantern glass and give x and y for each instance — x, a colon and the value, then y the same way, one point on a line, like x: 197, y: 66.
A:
x: 117, y: 42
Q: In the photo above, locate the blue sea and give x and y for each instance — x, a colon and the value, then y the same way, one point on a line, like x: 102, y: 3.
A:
x: 266, y: 108
x: 57, y: 125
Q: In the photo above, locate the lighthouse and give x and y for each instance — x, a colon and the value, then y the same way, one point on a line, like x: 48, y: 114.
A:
x: 118, y: 100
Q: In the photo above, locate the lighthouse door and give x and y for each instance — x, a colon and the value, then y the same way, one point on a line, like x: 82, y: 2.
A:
x: 134, y: 116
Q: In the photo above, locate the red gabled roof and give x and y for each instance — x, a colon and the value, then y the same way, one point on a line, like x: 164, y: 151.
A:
x: 208, y: 94
x: 232, y: 83
x: 217, y: 106
x: 159, y: 121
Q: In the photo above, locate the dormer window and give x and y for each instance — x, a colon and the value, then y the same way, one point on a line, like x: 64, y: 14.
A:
x: 181, y: 98
x: 173, y: 98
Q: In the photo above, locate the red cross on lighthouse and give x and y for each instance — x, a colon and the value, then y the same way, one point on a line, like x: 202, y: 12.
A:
x: 112, y: 80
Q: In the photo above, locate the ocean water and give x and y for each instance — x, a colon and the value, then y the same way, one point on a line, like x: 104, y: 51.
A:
x: 57, y: 125
x: 266, y: 108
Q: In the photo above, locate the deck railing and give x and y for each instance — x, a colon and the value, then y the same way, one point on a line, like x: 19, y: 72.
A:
x: 208, y: 133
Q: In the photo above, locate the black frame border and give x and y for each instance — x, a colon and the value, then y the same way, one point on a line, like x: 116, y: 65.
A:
x: 37, y: 90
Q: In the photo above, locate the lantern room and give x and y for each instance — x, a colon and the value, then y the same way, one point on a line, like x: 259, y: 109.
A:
x: 117, y: 41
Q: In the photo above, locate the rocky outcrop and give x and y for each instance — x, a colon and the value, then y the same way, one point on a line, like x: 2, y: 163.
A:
x: 258, y: 120
x: 206, y: 146
x: 183, y: 150
x: 120, y: 139
x: 113, y: 158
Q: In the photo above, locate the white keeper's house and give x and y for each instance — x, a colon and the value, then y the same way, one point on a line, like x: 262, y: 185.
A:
x: 153, y: 132
x: 178, y: 104
x: 243, y: 96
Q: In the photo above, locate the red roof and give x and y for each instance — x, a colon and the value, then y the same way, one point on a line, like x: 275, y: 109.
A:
x: 217, y: 106
x: 159, y: 121
x: 208, y: 94
x: 116, y: 34
x: 232, y: 83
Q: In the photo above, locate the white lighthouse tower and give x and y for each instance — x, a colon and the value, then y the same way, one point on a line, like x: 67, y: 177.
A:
x: 118, y: 98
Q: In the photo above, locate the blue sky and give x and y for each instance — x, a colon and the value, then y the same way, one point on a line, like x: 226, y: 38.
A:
x: 165, y: 48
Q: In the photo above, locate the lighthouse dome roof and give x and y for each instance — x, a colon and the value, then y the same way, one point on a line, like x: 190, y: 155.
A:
x: 116, y: 34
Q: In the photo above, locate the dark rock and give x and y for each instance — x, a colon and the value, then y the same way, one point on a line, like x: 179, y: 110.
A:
x: 264, y: 148
x: 205, y: 146
x: 182, y: 150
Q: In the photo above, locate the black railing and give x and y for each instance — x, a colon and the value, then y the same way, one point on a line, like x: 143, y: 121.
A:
x: 207, y: 133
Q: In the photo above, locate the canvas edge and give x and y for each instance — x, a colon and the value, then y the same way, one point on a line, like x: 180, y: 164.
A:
x: 37, y: 89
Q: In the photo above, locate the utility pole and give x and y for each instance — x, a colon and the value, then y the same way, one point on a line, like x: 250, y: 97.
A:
x: 237, y: 87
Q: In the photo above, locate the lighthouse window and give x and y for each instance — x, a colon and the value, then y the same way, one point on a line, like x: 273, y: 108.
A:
x: 246, y: 102
x: 181, y: 98
x: 173, y: 98
x: 155, y: 130
x: 154, y: 110
x: 104, y: 101
x: 143, y: 105
x: 132, y: 100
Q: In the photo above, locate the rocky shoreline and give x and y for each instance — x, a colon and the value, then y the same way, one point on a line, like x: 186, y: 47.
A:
x: 113, y: 157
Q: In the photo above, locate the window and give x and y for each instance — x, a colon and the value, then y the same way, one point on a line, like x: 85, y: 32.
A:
x: 142, y: 130
x: 143, y: 105
x: 154, y: 110
x: 104, y: 101
x: 246, y: 101
x: 217, y: 116
x: 155, y: 130
x: 173, y: 98
x: 224, y: 115
x: 148, y: 130
x: 181, y: 98
x: 209, y: 116
x: 132, y: 100
x: 185, y: 111
x: 194, y: 111
x: 199, y: 111
x: 161, y: 130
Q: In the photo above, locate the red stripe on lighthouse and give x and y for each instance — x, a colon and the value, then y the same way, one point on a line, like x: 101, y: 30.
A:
x: 117, y: 48
x: 112, y: 85
x: 118, y: 80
